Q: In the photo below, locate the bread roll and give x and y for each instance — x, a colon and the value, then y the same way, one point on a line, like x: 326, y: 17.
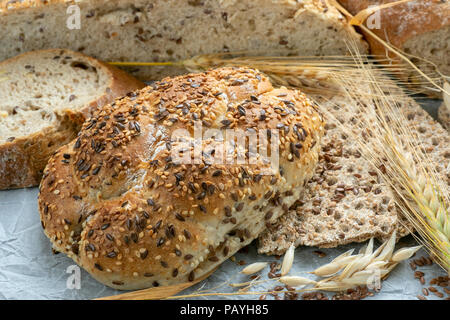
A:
x: 117, y: 202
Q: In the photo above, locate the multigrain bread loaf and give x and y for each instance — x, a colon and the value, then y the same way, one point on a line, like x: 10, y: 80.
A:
x: 120, y: 203
x: 346, y: 200
x: 46, y: 95
x: 169, y: 30
x: 420, y: 28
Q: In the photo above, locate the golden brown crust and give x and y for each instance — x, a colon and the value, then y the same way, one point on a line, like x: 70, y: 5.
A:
x: 117, y: 202
x: 23, y: 159
x: 11, y: 5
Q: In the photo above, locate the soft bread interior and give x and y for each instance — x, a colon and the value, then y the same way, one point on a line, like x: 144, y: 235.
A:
x: 36, y: 89
x: 171, y: 30
x: 432, y: 46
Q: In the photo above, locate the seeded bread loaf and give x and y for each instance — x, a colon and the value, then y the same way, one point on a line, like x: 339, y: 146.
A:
x: 420, y: 28
x: 168, y: 30
x: 121, y: 204
x: 46, y: 95
x: 346, y: 200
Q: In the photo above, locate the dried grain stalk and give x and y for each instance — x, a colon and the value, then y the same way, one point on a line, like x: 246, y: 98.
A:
x: 314, y: 75
x: 421, y: 194
x: 156, y: 293
x: 367, y: 267
x: 364, y: 268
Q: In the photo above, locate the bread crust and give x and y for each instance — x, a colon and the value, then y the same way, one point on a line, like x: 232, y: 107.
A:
x: 23, y: 159
x: 145, y: 220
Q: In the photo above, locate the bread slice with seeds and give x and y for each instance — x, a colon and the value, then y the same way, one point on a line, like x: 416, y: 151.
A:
x: 135, y: 215
x: 46, y: 96
x: 171, y: 30
x: 346, y: 200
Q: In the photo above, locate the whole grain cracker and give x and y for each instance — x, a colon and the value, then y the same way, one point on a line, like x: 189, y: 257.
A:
x: 346, y: 201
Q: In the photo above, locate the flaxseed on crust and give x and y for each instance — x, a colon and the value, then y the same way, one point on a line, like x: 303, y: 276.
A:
x: 117, y: 202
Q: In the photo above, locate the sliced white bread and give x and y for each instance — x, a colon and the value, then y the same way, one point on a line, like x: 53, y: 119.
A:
x: 46, y: 96
x: 170, y: 30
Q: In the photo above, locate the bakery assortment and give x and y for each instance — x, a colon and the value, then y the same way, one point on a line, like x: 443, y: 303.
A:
x: 46, y: 96
x: 121, y: 204
x: 162, y: 30
x: 158, y: 183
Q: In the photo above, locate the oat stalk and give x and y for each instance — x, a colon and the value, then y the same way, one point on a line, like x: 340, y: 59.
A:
x: 360, y: 270
x: 364, y: 268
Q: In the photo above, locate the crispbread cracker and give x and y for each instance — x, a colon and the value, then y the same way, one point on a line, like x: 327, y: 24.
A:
x: 367, y: 209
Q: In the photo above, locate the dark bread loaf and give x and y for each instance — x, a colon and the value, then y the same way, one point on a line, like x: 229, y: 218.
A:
x: 118, y: 202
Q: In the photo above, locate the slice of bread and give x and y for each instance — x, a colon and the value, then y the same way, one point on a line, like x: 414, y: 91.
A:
x: 46, y: 96
x: 171, y: 30
x: 346, y: 200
